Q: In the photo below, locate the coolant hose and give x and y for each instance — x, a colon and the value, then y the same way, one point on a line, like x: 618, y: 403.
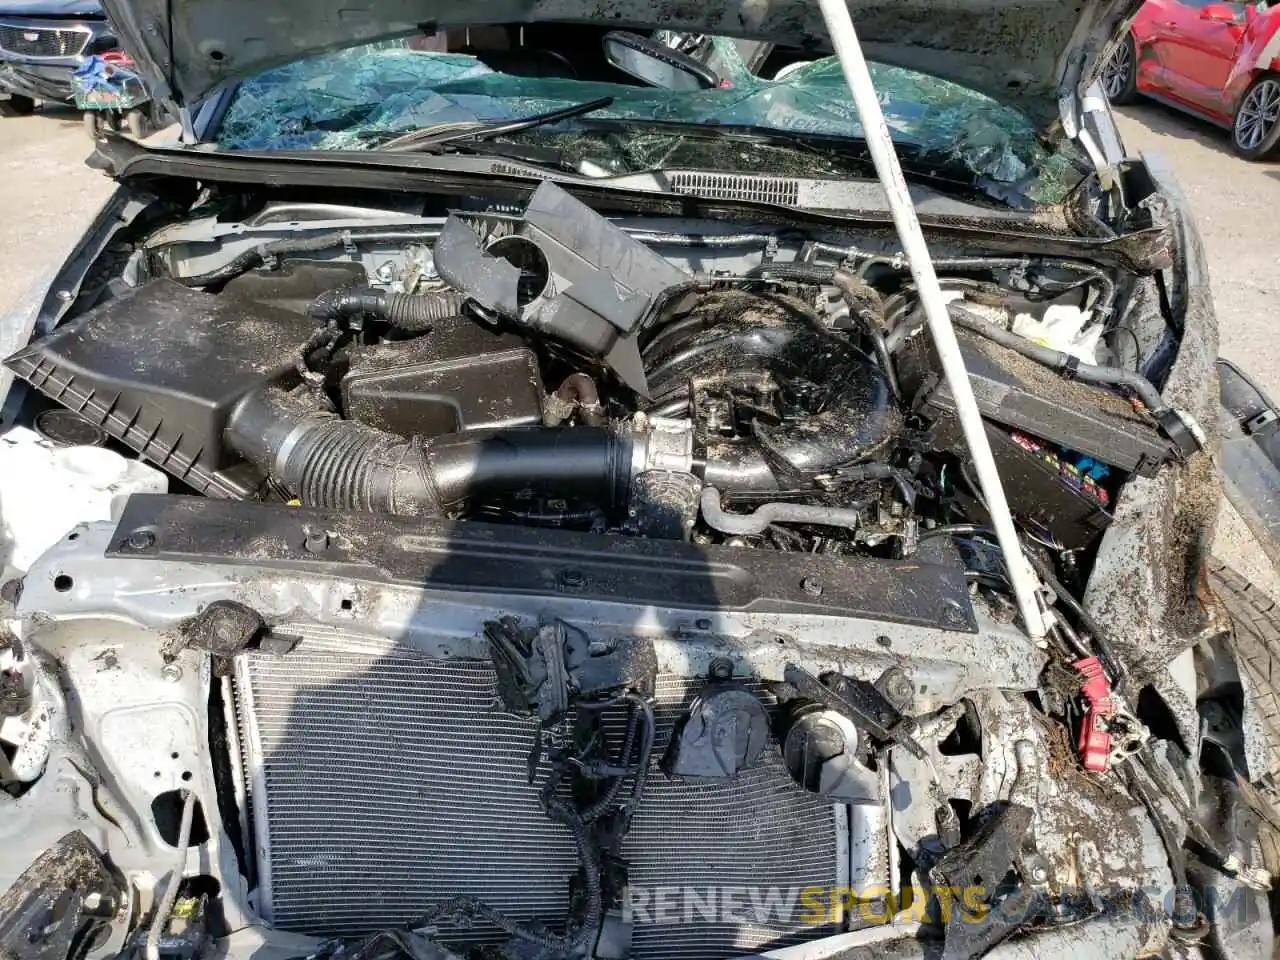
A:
x: 577, y: 392
x: 343, y: 464
x: 793, y: 271
x: 1091, y: 274
x: 412, y: 313
x: 857, y: 296
x: 748, y: 524
x: 1063, y: 363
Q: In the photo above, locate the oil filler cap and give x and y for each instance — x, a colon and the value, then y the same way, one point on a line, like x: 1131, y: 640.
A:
x: 724, y: 732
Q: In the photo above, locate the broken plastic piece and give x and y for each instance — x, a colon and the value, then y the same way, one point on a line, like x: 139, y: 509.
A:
x: 542, y: 669
x: 1062, y: 327
x: 224, y: 628
x: 977, y: 866
x: 65, y: 899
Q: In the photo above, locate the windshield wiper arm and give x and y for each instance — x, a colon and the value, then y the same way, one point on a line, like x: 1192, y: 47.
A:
x: 427, y: 140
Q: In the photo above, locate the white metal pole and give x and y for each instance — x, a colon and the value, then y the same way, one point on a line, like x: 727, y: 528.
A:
x: 844, y: 39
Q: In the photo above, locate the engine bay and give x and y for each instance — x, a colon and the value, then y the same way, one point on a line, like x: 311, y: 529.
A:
x: 552, y: 369
x: 533, y: 563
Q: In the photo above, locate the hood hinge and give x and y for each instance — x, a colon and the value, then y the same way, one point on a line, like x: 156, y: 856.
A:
x: 1086, y: 119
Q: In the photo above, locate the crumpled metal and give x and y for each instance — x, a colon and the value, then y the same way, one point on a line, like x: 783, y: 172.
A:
x: 355, y: 98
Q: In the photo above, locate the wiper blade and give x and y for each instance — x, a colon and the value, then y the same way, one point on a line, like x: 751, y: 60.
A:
x: 430, y: 138
x: 926, y: 164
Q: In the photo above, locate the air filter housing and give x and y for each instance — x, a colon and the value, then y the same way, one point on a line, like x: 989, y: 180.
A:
x: 160, y: 369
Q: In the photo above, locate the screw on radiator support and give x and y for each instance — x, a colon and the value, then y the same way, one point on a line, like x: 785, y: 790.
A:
x: 812, y: 586
x: 315, y: 541
x: 572, y: 578
x: 140, y: 540
x: 171, y: 672
x: 721, y: 669
x: 896, y: 687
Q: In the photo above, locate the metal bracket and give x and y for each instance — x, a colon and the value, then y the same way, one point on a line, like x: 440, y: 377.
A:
x: 1256, y: 423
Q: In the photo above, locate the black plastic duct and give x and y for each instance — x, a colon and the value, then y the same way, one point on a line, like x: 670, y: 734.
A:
x: 336, y: 463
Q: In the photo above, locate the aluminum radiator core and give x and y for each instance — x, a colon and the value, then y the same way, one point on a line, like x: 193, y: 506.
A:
x: 382, y: 780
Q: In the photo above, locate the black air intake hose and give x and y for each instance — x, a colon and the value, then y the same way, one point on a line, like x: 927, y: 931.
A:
x: 403, y: 311
x: 336, y: 463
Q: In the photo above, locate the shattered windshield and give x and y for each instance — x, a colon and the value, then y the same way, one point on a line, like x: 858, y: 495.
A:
x: 357, y: 99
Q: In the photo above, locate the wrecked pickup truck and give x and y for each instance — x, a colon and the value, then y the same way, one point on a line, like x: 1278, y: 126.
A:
x: 565, y: 522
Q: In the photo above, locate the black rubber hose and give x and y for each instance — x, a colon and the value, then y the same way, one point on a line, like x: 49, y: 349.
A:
x: 797, y: 272
x: 1106, y: 286
x: 257, y: 256
x: 1100, y: 638
x: 876, y: 470
x: 577, y: 392
x: 402, y: 311
x: 855, y: 294
x: 1061, y: 362
x: 343, y: 464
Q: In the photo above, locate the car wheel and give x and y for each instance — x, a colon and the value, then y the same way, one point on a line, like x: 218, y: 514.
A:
x: 1256, y: 127
x: 1255, y: 619
x: 1120, y: 75
x: 1256, y: 622
x: 16, y: 106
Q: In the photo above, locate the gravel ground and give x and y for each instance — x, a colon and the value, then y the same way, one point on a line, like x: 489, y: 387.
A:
x: 47, y: 194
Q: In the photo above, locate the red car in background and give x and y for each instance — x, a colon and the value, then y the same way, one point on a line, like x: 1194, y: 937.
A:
x: 1220, y: 61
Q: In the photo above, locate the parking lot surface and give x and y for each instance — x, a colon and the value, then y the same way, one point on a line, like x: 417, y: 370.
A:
x: 47, y: 196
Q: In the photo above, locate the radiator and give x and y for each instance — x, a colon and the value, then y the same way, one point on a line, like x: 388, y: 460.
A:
x: 382, y: 780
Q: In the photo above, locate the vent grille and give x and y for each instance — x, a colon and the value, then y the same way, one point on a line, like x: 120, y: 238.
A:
x: 733, y: 187
x: 389, y: 781
x: 45, y: 42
